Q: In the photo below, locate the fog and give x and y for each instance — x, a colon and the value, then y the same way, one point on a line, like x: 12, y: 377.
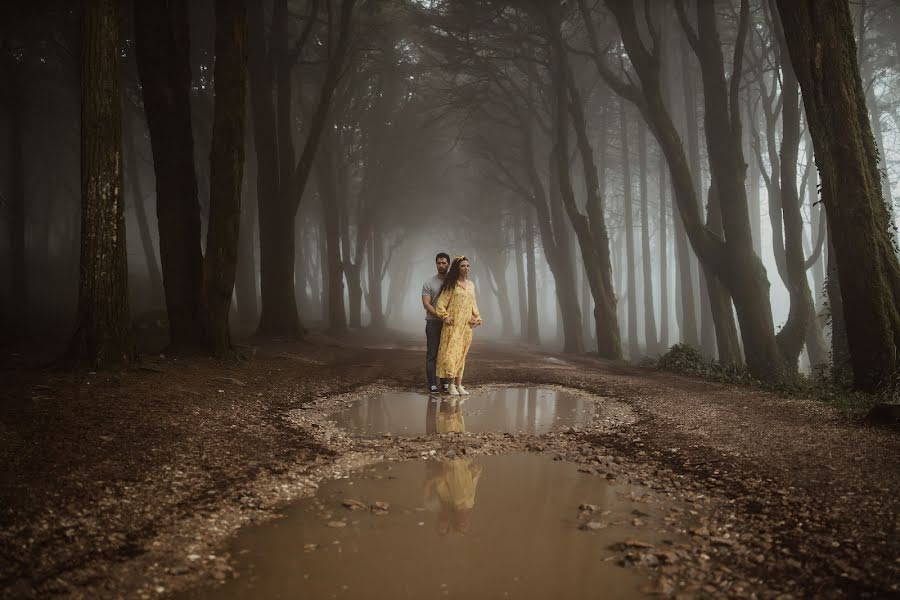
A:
x: 423, y: 151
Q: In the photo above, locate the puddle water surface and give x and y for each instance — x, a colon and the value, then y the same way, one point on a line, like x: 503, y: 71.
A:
x: 504, y: 410
x: 508, y: 526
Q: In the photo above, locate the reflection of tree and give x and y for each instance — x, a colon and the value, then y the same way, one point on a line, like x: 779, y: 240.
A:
x: 450, y: 491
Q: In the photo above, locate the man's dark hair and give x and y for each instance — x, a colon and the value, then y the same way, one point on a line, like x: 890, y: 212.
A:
x: 442, y: 255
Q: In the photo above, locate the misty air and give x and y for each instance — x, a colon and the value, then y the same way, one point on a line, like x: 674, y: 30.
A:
x: 378, y: 299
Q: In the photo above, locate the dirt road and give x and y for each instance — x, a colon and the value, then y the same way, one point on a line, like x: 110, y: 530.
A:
x: 130, y: 484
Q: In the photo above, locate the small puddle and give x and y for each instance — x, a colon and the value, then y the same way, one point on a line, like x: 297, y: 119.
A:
x: 507, y: 526
x: 504, y: 410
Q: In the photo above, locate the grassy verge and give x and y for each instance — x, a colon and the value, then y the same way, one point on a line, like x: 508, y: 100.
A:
x: 687, y: 360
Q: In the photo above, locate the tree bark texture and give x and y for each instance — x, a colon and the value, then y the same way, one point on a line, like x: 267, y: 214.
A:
x: 815, y: 338
x: 277, y: 235
x: 226, y: 171
x: 819, y: 37
x: 18, y: 222
x: 102, y: 334
x: 163, y: 59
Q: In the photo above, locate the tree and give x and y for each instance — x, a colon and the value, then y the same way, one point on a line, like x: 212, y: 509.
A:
x: 819, y: 38
x: 163, y: 59
x: 226, y: 171
x: 731, y: 259
x: 102, y: 334
x: 591, y: 228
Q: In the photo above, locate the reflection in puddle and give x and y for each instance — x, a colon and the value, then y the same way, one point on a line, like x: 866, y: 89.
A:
x: 505, y: 410
x: 484, y: 527
x: 450, y: 492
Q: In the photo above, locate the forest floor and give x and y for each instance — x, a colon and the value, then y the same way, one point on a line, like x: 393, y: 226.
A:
x: 131, y: 483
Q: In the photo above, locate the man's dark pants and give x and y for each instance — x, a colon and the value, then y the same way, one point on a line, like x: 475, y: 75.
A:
x: 433, y: 340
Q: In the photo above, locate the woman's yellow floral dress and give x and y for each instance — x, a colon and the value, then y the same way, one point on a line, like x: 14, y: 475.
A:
x: 458, y: 303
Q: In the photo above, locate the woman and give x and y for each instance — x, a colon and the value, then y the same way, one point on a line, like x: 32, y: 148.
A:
x: 458, y: 310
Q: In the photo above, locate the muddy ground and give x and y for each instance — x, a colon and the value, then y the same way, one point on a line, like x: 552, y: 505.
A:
x: 131, y: 483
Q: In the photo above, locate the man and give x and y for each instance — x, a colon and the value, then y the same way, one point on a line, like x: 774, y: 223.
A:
x: 433, y: 324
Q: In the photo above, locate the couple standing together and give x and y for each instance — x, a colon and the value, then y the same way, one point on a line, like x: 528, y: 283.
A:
x: 451, y: 314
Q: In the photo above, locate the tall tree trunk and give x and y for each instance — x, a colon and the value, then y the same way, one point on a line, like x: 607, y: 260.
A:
x: 754, y: 199
x: 633, y: 348
x: 226, y: 171
x: 565, y: 274
x: 554, y: 249
x: 721, y: 312
x: 706, y: 341
x: 820, y: 34
x: 749, y: 282
x: 842, y: 368
x: 102, y: 325
x: 649, y: 311
x: 874, y: 107
x: 792, y: 336
x: 533, y: 332
x: 245, y: 285
x: 376, y: 267
x: 351, y: 266
x: 815, y: 339
x: 354, y: 293
x: 163, y: 59
x: 278, y: 314
x: 496, y: 276
x: 732, y: 260
x: 334, y: 270
x: 133, y: 174
x: 590, y: 229
x: 521, y: 283
x: 322, y: 272
x: 18, y: 221
x: 663, y: 257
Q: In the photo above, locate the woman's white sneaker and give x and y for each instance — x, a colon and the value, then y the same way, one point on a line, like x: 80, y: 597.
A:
x: 453, y: 390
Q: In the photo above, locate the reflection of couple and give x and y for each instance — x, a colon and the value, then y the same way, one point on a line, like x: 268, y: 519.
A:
x: 449, y: 484
x: 444, y: 418
x: 449, y: 323
x: 450, y: 492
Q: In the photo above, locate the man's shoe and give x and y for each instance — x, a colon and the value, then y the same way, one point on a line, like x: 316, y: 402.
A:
x: 462, y: 391
x: 453, y: 390
x: 433, y: 389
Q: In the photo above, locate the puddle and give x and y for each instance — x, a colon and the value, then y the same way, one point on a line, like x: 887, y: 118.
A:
x: 484, y: 527
x: 504, y: 410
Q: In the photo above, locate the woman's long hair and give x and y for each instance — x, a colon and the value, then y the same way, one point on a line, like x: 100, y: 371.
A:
x: 452, y: 275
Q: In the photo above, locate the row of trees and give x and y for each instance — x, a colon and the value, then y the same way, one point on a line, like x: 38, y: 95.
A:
x: 350, y: 112
x: 520, y: 70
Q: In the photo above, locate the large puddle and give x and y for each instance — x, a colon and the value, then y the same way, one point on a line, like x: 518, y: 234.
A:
x: 504, y: 410
x: 509, y: 526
